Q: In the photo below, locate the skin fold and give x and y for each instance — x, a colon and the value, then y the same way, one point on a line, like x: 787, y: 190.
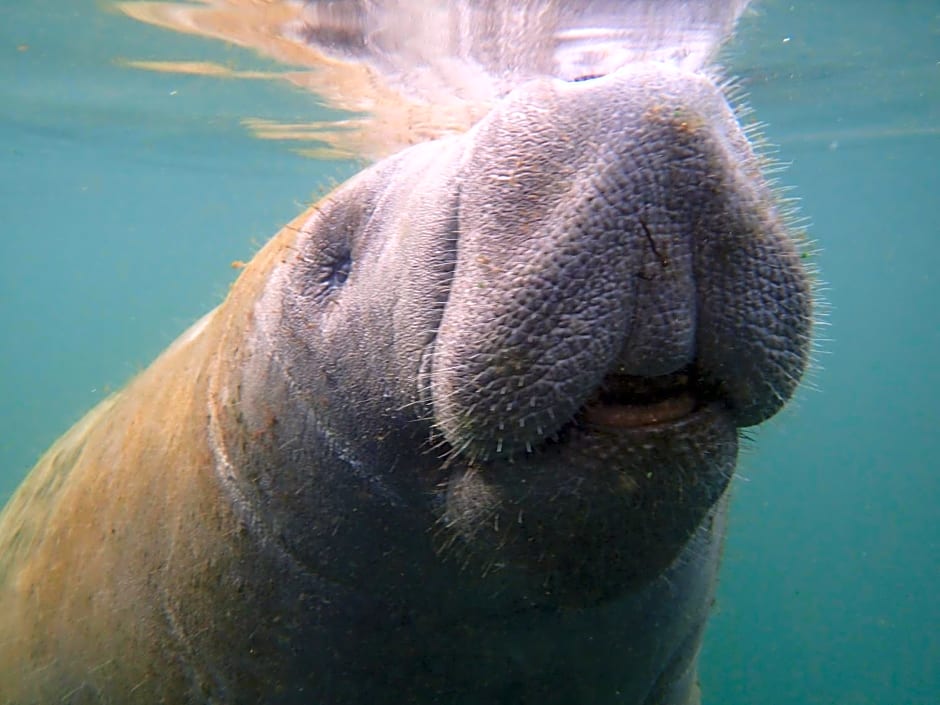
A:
x: 460, y: 433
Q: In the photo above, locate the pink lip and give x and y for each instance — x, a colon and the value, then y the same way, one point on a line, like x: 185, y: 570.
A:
x: 635, y: 415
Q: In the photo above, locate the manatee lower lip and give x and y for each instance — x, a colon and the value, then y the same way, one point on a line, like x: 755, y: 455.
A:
x: 621, y: 415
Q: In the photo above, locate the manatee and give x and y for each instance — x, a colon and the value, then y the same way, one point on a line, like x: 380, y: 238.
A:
x: 462, y: 432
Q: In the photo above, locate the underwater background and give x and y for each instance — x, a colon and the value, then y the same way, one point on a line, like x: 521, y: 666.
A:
x: 126, y: 195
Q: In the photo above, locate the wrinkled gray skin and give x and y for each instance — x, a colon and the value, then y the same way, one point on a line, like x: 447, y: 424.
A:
x: 428, y: 511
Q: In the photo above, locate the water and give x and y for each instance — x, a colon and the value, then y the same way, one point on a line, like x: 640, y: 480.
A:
x: 126, y: 195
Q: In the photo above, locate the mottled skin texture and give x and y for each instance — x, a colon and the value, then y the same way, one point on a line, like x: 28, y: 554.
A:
x: 372, y: 475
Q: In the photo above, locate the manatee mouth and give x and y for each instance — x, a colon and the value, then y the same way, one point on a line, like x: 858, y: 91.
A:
x: 608, y: 503
x: 627, y: 401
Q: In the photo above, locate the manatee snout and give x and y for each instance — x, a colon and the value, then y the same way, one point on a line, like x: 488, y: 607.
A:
x: 614, y: 234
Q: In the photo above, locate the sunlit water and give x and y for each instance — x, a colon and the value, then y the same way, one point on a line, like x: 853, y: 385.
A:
x: 126, y: 195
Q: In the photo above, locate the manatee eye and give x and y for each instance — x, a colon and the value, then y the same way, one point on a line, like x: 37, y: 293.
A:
x: 336, y: 271
x: 326, y: 271
x: 586, y: 77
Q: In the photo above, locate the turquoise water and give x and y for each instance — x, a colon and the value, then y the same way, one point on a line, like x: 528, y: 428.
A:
x: 127, y: 194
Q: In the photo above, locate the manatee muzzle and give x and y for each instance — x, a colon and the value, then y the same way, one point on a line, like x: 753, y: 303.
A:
x: 620, y: 259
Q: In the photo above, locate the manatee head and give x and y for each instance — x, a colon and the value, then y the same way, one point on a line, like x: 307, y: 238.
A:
x: 535, y: 344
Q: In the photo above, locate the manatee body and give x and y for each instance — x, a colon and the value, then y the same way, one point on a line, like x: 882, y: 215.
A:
x: 460, y: 433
